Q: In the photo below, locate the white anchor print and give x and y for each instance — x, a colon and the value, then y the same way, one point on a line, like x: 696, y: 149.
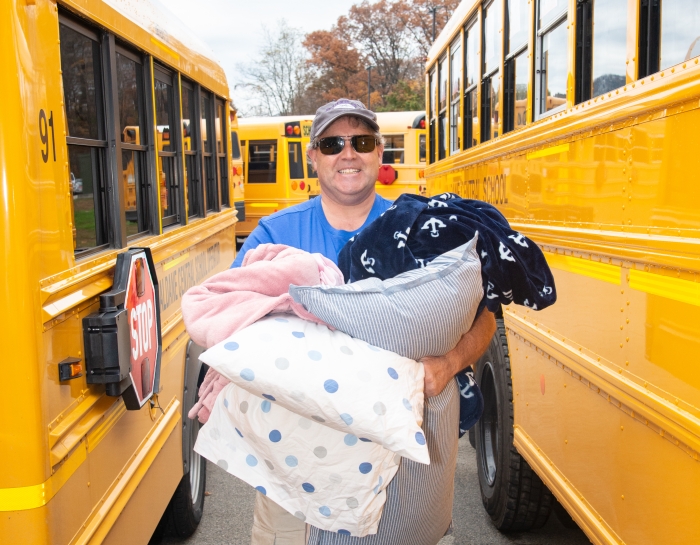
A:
x: 367, y: 263
x: 453, y: 218
x: 546, y: 290
x: 398, y: 235
x: 489, y: 291
x: 520, y: 240
x: 433, y: 224
x: 508, y: 294
x: 484, y: 255
x: 420, y: 262
x: 434, y: 203
x: 505, y: 253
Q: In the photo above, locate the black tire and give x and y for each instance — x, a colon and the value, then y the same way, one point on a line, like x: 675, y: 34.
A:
x: 185, y: 509
x: 513, y: 495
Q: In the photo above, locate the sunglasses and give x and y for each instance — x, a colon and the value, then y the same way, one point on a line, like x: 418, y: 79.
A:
x: 333, y: 145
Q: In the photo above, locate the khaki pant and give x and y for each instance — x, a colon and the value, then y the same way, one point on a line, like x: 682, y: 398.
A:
x: 272, y: 525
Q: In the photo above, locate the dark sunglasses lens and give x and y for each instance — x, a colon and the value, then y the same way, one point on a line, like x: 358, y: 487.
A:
x: 363, y: 144
x: 331, y: 145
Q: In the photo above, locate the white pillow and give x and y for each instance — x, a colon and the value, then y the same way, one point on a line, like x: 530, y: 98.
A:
x: 329, y: 377
x: 322, y: 476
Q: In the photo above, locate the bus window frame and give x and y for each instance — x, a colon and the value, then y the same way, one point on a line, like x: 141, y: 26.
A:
x: 510, y: 58
x: 455, y: 95
x: 489, y: 77
x: 195, y: 152
x: 540, y: 74
x: 143, y: 148
x: 207, y: 183
x: 269, y: 141
x: 162, y: 74
x: 222, y: 172
x: 432, y: 111
x: 442, y: 127
x: 102, y: 168
x: 469, y: 131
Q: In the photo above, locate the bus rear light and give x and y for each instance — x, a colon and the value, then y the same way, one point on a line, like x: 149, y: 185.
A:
x: 302, y: 185
x: 294, y: 186
x: 289, y: 130
x: 292, y: 129
x: 422, y: 123
x: 421, y: 173
x: 70, y: 368
x: 297, y: 131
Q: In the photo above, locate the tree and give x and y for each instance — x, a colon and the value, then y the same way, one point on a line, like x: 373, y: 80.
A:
x: 420, y: 20
x: 278, y: 79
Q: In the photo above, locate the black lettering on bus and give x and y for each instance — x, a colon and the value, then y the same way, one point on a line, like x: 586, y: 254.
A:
x: 44, y: 125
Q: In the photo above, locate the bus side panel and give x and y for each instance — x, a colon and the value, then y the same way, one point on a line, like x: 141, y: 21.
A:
x: 582, y: 432
x: 144, y: 509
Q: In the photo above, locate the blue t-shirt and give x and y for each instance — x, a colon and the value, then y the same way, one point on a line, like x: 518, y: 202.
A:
x: 305, y: 226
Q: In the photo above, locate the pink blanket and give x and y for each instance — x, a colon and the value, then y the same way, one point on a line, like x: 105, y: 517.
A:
x: 234, y: 299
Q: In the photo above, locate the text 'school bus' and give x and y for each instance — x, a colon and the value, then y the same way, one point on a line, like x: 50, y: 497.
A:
x: 579, y: 121
x: 115, y: 199
x: 276, y: 174
x: 237, y: 168
x: 404, y: 153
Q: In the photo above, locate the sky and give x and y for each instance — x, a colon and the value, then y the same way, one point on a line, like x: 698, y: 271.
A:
x: 233, y: 28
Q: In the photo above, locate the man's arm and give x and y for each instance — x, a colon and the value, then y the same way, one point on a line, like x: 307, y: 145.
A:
x: 440, y: 370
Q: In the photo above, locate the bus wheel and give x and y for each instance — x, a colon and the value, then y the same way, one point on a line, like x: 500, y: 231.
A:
x: 187, y: 504
x: 513, y: 495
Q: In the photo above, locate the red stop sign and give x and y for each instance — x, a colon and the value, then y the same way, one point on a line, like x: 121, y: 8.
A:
x: 143, y: 328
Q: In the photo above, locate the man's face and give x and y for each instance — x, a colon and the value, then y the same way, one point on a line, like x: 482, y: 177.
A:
x: 348, y: 177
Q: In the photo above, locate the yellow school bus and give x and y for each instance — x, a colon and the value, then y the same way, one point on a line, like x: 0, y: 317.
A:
x: 237, y: 167
x: 404, y: 153
x: 277, y: 173
x: 578, y: 120
x: 116, y: 197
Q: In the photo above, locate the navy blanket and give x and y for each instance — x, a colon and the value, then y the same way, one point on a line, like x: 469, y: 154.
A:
x: 415, y: 230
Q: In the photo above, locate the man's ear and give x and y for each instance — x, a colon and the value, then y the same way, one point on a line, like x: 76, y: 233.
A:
x: 311, y: 154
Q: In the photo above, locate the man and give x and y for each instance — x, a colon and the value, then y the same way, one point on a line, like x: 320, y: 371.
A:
x: 346, y: 150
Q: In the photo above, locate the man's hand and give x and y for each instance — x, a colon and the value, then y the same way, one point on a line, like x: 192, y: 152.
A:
x: 441, y: 369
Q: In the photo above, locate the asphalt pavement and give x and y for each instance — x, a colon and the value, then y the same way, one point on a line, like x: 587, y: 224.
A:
x: 228, y: 513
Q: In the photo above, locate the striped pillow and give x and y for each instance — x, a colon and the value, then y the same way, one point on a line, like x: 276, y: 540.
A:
x: 423, y: 312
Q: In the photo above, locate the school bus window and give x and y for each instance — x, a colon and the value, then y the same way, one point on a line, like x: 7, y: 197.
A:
x: 421, y: 148
x: 221, y: 152
x: 432, y: 113
x: 551, y: 58
x: 517, y: 19
x: 83, y: 102
x: 455, y: 62
x: 470, y: 126
x: 442, y: 105
x: 393, y: 149
x: 130, y: 95
x: 490, y: 107
x: 296, y: 161
x: 166, y: 165
x: 208, y: 154
x: 235, y: 146
x: 262, y: 162
x: 680, y: 31
x: 601, y: 47
x: 515, y: 66
x: 190, y: 139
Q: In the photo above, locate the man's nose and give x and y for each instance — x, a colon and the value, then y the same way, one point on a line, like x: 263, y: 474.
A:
x: 348, y: 152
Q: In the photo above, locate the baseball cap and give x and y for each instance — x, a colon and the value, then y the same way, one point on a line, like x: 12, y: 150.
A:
x: 328, y: 113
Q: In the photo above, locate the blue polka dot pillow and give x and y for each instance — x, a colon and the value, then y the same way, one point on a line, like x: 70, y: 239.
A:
x: 330, y: 378
x: 423, y: 312
x: 325, y: 477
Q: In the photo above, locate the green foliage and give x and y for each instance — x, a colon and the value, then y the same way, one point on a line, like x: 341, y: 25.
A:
x: 405, y: 96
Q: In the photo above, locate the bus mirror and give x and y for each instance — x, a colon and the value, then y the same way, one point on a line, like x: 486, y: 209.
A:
x: 123, y: 338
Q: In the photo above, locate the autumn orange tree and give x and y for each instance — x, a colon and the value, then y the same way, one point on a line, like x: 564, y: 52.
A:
x: 391, y: 36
